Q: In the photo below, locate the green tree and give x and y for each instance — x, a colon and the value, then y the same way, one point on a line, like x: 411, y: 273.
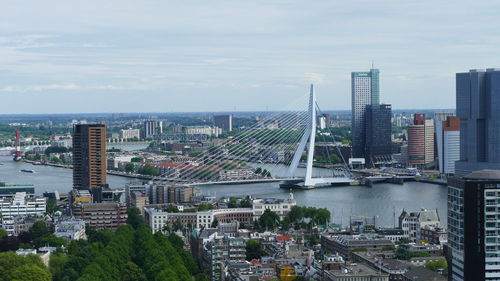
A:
x: 254, y: 250
x: 131, y: 272
x: 437, y: 264
x: 31, y: 272
x: 134, y: 217
x: 3, y: 233
x: 171, y: 209
x: 269, y: 219
x: 137, y: 159
x: 38, y: 231
x: 52, y: 206
x: 215, y: 223
x: 245, y: 203
x: 205, y: 207
x: 129, y: 167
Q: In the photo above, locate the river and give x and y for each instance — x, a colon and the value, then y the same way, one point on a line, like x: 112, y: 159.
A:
x: 381, y: 200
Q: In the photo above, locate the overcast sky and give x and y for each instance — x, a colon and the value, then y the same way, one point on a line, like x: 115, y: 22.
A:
x: 168, y: 56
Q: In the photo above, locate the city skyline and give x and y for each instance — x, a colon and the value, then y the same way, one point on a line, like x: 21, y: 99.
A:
x: 168, y: 57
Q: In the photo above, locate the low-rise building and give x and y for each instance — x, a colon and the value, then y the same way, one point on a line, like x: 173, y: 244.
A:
x: 130, y: 134
x: 157, y: 219
x: 72, y: 229
x: 215, y: 252
x: 101, y: 215
x: 14, y: 225
x: 422, y: 273
x: 358, y: 272
x: 345, y: 245
x: 434, y: 234
x: 22, y: 205
x: 380, y: 262
x: 280, y: 206
x: 412, y: 223
x: 392, y: 234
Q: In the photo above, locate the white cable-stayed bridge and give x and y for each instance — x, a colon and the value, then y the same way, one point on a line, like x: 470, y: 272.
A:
x: 269, y: 151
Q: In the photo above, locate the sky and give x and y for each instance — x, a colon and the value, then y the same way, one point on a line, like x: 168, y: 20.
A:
x: 179, y: 56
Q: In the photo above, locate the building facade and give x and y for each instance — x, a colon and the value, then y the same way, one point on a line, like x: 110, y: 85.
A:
x: 152, y: 129
x: 130, y: 134
x: 448, y: 144
x: 478, y: 100
x: 225, y: 122
x: 101, y: 215
x: 473, y: 208
x: 89, y: 156
x: 364, y: 91
x: 421, y: 142
x: 378, y: 130
x: 22, y: 205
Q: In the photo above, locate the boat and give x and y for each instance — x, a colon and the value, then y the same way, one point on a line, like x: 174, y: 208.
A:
x: 27, y: 171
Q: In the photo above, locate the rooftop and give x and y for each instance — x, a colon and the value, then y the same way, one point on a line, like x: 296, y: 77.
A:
x: 484, y: 175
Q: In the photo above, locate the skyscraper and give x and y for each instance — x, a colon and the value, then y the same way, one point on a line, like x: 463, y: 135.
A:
x: 378, y: 128
x: 89, y: 156
x: 478, y: 101
x: 421, y: 141
x: 473, y: 208
x: 365, y: 91
x: 225, y: 122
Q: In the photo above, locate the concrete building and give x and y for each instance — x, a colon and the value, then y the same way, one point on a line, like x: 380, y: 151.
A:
x: 15, y: 225
x: 473, y: 208
x: 378, y: 131
x: 202, y: 130
x: 448, y: 144
x: 478, y: 100
x: 412, y: 223
x: 345, y: 245
x: 152, y: 129
x: 358, y: 272
x: 280, y: 206
x: 89, y: 156
x: 421, y: 142
x: 101, y: 215
x: 156, y: 219
x: 22, y: 205
x: 130, y: 134
x: 225, y: 122
x: 214, y: 251
x: 70, y: 230
x: 364, y: 91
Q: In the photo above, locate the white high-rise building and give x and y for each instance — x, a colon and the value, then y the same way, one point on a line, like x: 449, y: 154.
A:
x: 448, y: 144
x: 365, y: 91
x: 152, y: 128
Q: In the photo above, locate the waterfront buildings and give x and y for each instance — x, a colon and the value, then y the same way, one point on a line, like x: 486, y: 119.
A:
x: 22, y: 205
x: 280, y: 206
x: 89, y: 156
x: 478, y: 101
x: 152, y: 128
x: 10, y: 190
x: 412, y: 223
x: 364, y: 91
x: 157, y: 219
x: 378, y: 143
x: 473, y: 208
x: 421, y: 142
x: 225, y: 122
x: 130, y: 134
x: 448, y: 144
